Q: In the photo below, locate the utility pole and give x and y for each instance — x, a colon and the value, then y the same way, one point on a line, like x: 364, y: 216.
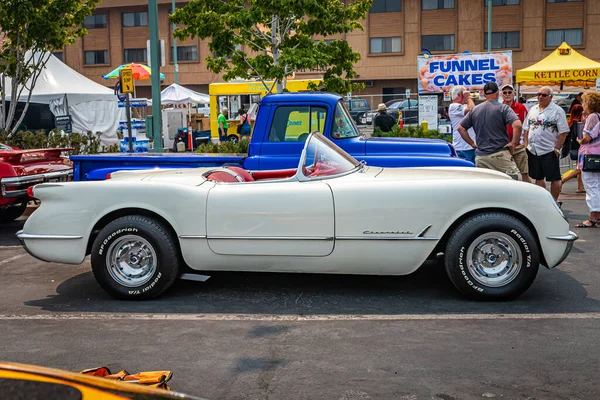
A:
x: 489, y: 38
x: 175, y: 65
x: 155, y: 75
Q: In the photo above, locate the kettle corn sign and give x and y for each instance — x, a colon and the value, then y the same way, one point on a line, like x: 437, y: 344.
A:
x: 471, y: 70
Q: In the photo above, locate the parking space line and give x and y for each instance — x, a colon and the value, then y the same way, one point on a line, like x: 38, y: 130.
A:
x: 13, y: 258
x: 294, y: 318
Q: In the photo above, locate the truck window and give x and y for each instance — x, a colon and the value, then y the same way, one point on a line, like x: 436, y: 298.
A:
x: 294, y: 123
x: 343, y: 126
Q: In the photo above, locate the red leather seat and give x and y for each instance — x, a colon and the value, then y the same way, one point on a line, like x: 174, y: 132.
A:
x: 237, y: 174
x: 246, y: 176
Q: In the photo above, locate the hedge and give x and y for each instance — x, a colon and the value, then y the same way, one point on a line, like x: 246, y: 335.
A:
x: 82, y: 143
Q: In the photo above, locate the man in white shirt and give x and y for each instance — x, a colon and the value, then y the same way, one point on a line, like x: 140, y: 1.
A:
x: 461, y: 105
x: 546, y: 129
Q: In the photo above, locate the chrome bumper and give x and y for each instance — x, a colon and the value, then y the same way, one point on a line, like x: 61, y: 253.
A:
x: 570, y: 238
x: 17, y: 186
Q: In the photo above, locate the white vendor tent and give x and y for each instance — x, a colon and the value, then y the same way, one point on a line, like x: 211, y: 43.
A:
x: 92, y: 107
x: 176, y: 94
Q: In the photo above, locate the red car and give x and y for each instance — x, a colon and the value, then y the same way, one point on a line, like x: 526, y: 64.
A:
x: 20, y: 169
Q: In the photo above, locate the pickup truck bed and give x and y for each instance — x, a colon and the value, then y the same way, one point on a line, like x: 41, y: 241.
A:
x: 97, y: 167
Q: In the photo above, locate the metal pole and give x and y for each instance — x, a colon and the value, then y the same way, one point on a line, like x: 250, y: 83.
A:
x: 128, y: 115
x: 489, y: 38
x: 155, y: 75
x: 175, y: 65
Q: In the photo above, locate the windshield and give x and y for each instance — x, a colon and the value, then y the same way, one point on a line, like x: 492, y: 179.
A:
x: 323, y: 158
x: 343, y: 127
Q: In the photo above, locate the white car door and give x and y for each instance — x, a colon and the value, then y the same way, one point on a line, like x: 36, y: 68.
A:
x: 271, y: 218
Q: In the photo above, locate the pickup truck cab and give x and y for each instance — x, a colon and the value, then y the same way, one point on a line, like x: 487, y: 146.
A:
x: 280, y: 129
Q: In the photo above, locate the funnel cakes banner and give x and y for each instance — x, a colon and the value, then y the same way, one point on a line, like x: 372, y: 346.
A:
x: 472, y: 70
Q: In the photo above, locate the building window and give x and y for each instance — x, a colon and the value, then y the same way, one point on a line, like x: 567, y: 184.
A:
x: 186, y: 53
x: 502, y: 40
x: 386, y: 45
x: 436, y: 4
x: 135, y: 19
x: 135, y: 55
x: 554, y: 37
x: 496, y: 3
x: 95, y: 21
x: 437, y: 42
x: 563, y: 1
x: 381, y: 6
x: 59, y: 55
x: 96, y: 57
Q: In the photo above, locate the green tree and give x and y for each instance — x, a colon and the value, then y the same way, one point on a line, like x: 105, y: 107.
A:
x: 29, y: 31
x: 279, y: 36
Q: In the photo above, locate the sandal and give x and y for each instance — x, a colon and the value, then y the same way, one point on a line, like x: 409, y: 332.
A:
x: 583, y: 224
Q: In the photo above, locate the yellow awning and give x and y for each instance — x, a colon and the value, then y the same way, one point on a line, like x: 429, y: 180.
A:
x: 563, y: 66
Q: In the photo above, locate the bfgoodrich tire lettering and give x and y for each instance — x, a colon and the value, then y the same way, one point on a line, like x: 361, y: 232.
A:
x: 122, y: 278
x: 492, y: 256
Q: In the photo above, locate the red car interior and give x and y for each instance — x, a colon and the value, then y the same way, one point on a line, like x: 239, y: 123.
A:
x: 242, y: 175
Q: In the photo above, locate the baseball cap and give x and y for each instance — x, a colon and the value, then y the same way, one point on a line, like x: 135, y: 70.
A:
x: 490, y: 88
x: 508, y: 85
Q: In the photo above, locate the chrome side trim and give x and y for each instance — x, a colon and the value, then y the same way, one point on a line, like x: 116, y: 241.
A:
x: 22, y: 236
x: 324, y: 238
x: 383, y: 238
x: 422, y: 233
x: 192, y: 237
x: 570, y: 237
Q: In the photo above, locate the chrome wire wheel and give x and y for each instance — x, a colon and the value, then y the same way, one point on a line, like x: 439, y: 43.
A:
x: 131, y: 261
x: 494, y: 259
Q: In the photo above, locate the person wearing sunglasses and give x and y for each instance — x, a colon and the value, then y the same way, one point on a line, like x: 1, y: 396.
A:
x: 520, y: 153
x: 546, y: 129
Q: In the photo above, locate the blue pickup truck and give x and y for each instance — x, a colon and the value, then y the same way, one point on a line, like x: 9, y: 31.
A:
x: 282, y: 124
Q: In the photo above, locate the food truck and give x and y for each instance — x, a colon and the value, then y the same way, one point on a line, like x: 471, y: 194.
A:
x: 247, y: 93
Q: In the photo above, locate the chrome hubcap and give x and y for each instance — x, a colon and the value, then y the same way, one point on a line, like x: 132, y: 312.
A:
x: 131, y: 261
x: 494, y: 259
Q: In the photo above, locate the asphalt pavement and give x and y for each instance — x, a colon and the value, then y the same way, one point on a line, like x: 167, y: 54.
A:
x: 289, y: 336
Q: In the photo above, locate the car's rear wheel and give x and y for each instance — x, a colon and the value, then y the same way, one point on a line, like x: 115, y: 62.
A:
x: 135, y: 258
x: 12, y: 212
x: 492, y: 256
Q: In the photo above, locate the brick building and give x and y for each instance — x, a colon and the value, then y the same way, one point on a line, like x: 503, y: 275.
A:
x: 394, y: 33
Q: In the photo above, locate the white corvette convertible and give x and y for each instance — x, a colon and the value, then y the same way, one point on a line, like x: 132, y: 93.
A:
x: 144, y: 229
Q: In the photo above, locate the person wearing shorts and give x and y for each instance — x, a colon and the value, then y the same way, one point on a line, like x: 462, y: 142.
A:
x: 546, y: 129
x: 489, y: 120
x: 520, y: 152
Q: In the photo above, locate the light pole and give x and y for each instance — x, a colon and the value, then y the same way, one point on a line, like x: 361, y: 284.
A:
x: 155, y: 75
x: 175, y: 47
x: 489, y: 38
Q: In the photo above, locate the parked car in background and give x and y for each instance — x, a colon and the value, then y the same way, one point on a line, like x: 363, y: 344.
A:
x: 331, y: 214
x: 357, y: 107
x: 409, y: 108
x: 20, y: 169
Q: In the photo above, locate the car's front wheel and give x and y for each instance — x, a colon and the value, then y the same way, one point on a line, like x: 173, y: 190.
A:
x: 135, y: 258
x: 492, y: 256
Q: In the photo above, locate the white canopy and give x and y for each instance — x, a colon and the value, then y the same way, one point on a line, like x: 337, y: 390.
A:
x: 92, y: 107
x: 176, y: 94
